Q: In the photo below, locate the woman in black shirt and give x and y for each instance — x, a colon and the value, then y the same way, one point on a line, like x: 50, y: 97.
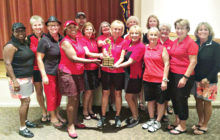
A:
x: 205, y: 75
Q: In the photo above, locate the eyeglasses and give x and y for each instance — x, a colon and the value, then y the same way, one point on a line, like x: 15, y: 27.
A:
x: 52, y: 26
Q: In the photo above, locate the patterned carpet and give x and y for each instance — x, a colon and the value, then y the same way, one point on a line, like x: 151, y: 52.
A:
x: 9, y: 122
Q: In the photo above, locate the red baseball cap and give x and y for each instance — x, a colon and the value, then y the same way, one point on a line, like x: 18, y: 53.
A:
x: 68, y: 22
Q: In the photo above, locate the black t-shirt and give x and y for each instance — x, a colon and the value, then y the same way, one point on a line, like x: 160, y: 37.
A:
x: 51, y: 49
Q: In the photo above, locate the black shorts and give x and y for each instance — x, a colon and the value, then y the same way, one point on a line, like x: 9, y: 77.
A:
x: 152, y: 91
x: 37, y: 76
x: 112, y: 79
x: 91, y: 79
x: 132, y: 86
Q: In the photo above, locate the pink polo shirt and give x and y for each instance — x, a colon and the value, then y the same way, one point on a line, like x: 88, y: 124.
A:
x: 92, y: 46
x: 168, y: 44
x: 117, y: 47
x: 154, y: 65
x: 68, y: 66
x: 136, y: 52
x: 179, y: 55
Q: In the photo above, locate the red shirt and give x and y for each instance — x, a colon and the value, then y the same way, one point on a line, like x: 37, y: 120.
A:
x: 68, y: 66
x: 92, y: 46
x: 168, y: 44
x: 179, y: 55
x: 154, y: 65
x: 127, y: 37
x: 136, y: 52
x: 79, y: 34
x: 117, y: 47
x: 33, y: 43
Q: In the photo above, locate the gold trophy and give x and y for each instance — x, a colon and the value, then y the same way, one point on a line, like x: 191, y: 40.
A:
x: 109, y: 60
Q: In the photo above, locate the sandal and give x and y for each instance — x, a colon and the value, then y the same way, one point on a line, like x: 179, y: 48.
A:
x: 87, y: 117
x: 93, y: 116
x: 171, y: 127
x: 176, y: 131
x: 44, y: 119
x: 169, y: 109
x: 141, y: 106
x: 196, y: 126
x: 199, y: 131
x: 57, y: 124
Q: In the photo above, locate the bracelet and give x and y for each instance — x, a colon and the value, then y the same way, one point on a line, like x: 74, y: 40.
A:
x: 165, y: 80
x: 185, y: 76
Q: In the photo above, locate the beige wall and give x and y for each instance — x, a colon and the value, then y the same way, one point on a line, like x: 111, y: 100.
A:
x: 170, y: 10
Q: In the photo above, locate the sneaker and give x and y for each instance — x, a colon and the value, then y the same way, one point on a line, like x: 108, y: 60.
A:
x: 117, y: 122
x: 132, y: 123
x: 101, y: 122
x: 26, y: 133
x: 148, y: 124
x: 30, y: 124
x: 127, y: 121
x: 154, y: 127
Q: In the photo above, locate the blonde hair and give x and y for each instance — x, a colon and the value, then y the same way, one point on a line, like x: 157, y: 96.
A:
x: 36, y: 18
x: 120, y: 23
x: 153, y: 29
x: 152, y: 16
x: 100, y: 27
x: 86, y: 25
x: 136, y: 28
x: 132, y: 18
x: 208, y: 26
x: 182, y: 22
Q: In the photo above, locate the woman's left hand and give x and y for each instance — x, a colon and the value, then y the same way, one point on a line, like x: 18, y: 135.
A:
x: 182, y: 82
x: 163, y: 85
x: 205, y: 82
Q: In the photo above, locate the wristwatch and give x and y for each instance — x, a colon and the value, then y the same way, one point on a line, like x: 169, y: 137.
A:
x: 165, y: 80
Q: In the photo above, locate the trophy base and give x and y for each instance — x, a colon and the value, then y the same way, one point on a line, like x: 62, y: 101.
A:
x: 108, y: 61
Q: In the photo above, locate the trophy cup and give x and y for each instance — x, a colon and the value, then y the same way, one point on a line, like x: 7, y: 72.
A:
x: 109, y: 60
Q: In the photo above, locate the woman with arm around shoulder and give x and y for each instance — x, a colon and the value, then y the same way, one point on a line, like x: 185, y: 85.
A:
x: 48, y: 57
x: 183, y: 59
x: 70, y: 72
x: 206, y: 72
x: 113, y: 77
x: 37, y: 24
x: 19, y: 61
x: 132, y: 54
x: 91, y: 70
x: 155, y: 79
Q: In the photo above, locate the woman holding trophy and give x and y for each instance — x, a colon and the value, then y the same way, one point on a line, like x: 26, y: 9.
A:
x: 112, y: 77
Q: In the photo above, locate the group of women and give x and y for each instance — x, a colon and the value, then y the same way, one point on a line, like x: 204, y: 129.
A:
x: 69, y: 65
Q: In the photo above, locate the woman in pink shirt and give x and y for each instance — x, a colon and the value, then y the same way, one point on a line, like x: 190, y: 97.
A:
x: 70, y: 72
x: 91, y: 70
x: 164, y: 40
x: 113, y: 77
x: 132, y: 59
x: 155, y: 79
x: 104, y: 33
x: 183, y: 59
